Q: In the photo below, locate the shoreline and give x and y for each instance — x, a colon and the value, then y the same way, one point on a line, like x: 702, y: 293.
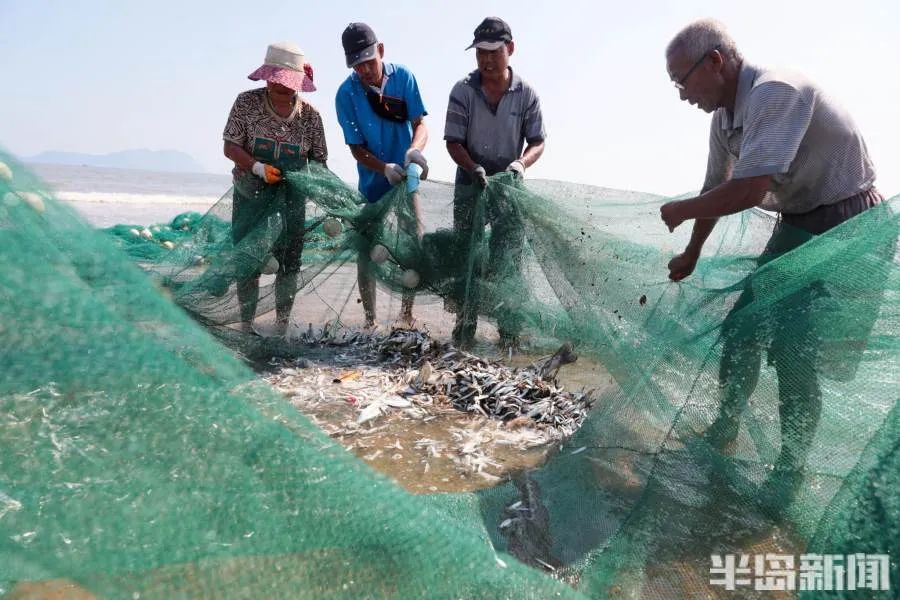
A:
x: 102, y: 214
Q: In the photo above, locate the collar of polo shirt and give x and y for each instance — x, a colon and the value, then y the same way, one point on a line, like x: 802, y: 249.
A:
x: 746, y: 77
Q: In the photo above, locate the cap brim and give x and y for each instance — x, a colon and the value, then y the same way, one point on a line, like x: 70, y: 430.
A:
x: 487, y: 45
x: 362, y: 56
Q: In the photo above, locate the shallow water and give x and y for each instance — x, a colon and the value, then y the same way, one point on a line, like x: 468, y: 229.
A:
x: 441, y: 449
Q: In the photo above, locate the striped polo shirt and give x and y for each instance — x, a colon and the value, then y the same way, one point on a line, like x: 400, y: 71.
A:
x: 493, y: 138
x: 785, y: 126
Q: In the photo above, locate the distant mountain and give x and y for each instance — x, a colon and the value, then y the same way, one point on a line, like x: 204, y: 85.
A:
x: 147, y: 160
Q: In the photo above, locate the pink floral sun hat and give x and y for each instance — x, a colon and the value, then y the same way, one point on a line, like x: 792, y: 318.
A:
x: 285, y: 64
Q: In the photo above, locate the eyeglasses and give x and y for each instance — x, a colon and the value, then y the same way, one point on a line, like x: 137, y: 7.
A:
x: 680, y: 83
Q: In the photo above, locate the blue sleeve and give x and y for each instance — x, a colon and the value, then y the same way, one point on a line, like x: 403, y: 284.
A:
x: 346, y: 114
x: 414, y: 106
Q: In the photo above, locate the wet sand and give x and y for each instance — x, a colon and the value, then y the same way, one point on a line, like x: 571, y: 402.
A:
x: 400, y: 447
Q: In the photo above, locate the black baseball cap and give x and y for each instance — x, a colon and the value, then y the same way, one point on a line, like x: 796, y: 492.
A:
x: 491, y: 34
x: 360, y: 43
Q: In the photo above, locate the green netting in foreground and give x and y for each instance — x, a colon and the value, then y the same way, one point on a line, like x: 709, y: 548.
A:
x: 140, y: 456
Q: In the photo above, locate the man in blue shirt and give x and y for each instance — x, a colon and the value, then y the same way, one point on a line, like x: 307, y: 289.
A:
x: 382, y: 115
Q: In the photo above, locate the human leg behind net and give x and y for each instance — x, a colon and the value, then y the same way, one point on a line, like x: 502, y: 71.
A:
x: 468, y: 222
x: 739, y: 369
x: 410, y: 221
x: 248, y: 209
x: 744, y: 332
x: 794, y: 352
x: 506, y: 248
x: 847, y: 304
x: 288, y: 249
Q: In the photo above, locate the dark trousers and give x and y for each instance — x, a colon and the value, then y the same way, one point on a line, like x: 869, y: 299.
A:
x: 786, y: 329
x: 472, y: 210
x: 257, y: 205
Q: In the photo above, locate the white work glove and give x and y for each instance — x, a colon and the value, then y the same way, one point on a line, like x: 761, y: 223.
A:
x: 518, y: 168
x: 480, y: 175
x: 415, y: 156
x: 267, y: 173
x: 394, y: 173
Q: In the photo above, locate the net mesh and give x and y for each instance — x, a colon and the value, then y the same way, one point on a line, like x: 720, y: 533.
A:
x: 141, y: 455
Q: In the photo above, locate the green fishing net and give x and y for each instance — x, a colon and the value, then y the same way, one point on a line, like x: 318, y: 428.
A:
x: 753, y: 408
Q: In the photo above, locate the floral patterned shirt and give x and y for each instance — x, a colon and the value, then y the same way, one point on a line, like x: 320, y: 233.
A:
x: 271, y: 138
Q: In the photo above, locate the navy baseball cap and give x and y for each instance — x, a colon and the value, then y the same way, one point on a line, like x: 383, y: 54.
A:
x: 360, y: 43
x: 492, y: 33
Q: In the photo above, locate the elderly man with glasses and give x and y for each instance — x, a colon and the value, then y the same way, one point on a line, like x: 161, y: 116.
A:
x: 776, y: 142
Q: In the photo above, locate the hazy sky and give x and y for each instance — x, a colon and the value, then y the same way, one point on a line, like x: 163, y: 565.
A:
x: 99, y: 76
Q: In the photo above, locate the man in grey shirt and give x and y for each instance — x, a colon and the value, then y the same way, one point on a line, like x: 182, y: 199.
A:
x: 491, y: 116
x: 777, y: 142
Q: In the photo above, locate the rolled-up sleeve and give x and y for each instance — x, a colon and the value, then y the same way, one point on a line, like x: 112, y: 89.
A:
x: 776, y: 121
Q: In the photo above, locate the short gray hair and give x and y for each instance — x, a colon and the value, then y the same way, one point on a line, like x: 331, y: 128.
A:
x: 700, y: 37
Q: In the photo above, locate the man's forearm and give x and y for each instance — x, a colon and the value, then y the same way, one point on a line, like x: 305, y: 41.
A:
x: 699, y: 234
x: 460, y: 156
x: 239, y: 156
x: 731, y: 197
x: 420, y: 135
x: 366, y: 158
x: 532, y: 153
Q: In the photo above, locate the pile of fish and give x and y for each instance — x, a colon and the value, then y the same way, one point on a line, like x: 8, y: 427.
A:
x: 438, y: 374
x: 382, y: 394
x: 334, y: 336
x: 520, y: 397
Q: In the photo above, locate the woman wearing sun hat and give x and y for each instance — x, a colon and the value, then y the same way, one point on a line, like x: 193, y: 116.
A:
x: 271, y: 129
